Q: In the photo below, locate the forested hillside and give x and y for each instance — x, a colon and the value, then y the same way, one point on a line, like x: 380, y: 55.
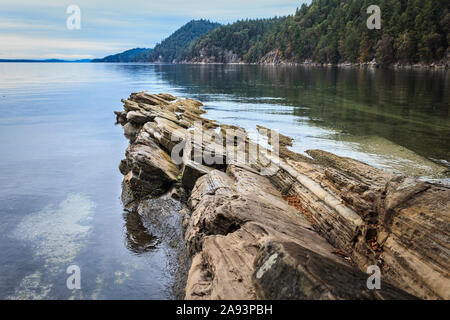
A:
x: 172, y: 47
x: 333, y: 31
x: 246, y: 40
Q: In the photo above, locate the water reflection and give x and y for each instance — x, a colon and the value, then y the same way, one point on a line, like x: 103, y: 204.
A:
x: 138, y: 238
x: 408, y: 107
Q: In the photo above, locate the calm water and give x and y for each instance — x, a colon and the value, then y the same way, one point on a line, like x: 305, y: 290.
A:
x: 60, y: 186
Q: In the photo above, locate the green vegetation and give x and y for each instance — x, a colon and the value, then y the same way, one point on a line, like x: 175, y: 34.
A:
x: 169, y: 49
x: 172, y: 47
x: 248, y: 39
x: 332, y: 31
x: 326, y: 31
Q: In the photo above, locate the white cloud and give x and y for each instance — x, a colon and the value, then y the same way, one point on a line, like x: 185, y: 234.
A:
x: 28, y: 47
x: 19, y: 25
x: 37, y: 29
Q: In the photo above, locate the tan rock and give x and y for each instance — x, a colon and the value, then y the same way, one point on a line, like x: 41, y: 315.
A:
x: 166, y: 132
x: 151, y: 99
x: 130, y: 131
x: 139, y: 117
x: 191, y: 172
x: 151, y: 164
x: 303, y: 274
x: 262, y: 227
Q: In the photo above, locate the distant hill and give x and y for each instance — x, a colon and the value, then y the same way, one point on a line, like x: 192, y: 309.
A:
x: 171, y: 49
x: 132, y: 55
x: 46, y: 60
x: 236, y: 42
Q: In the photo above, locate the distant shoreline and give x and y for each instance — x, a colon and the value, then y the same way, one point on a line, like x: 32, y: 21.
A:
x: 343, y: 65
x: 433, y: 66
x: 44, y: 61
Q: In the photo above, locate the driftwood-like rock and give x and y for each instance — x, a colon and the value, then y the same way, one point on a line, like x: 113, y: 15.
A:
x: 166, y: 132
x: 151, y: 99
x: 413, y: 232
x: 397, y: 223
x: 235, y: 214
x: 303, y: 274
x: 191, y: 172
x: 151, y: 172
x: 273, y: 224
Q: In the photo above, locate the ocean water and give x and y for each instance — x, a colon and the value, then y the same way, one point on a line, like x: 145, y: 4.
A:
x: 60, y: 186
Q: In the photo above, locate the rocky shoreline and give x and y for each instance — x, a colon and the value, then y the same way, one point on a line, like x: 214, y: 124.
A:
x: 362, y: 65
x: 274, y: 58
x: 273, y: 224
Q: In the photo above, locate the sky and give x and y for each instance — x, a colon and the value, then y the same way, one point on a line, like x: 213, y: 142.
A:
x: 37, y: 29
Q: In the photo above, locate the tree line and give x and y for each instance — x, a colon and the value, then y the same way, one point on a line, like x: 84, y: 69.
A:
x: 333, y: 31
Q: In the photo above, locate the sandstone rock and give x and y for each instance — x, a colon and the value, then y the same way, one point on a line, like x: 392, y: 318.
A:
x: 230, y: 225
x: 152, y: 99
x: 191, y: 172
x: 130, y: 131
x: 356, y: 207
x: 121, y: 117
x: 223, y: 269
x: 189, y: 119
x: 190, y: 105
x: 282, y: 139
x: 353, y: 168
x: 135, y: 188
x: 166, y: 132
x: 129, y: 105
x: 166, y: 96
x: 258, y: 215
x: 234, y: 215
x: 303, y: 274
x: 412, y: 233
x: 150, y: 164
x: 139, y: 117
x: 205, y: 147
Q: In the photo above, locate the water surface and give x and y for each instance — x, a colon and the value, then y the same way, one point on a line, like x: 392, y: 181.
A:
x: 60, y: 186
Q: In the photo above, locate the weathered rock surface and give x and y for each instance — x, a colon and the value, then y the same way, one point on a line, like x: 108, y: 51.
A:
x: 376, y: 218
x: 228, y: 226
x: 150, y: 170
x: 273, y: 224
x: 191, y: 172
x: 303, y: 274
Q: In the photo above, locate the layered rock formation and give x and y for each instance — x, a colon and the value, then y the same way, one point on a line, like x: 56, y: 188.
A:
x: 261, y: 227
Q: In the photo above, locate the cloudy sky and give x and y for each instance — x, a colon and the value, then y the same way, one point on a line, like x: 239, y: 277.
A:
x: 37, y: 28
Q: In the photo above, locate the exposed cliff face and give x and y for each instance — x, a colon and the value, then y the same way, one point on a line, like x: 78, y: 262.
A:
x: 259, y: 227
x: 275, y: 57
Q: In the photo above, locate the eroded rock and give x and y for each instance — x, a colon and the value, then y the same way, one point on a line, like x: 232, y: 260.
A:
x: 273, y: 224
x: 151, y: 171
x: 191, y: 172
x: 302, y: 274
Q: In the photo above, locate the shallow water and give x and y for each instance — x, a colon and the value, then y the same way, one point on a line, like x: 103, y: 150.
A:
x: 60, y: 186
